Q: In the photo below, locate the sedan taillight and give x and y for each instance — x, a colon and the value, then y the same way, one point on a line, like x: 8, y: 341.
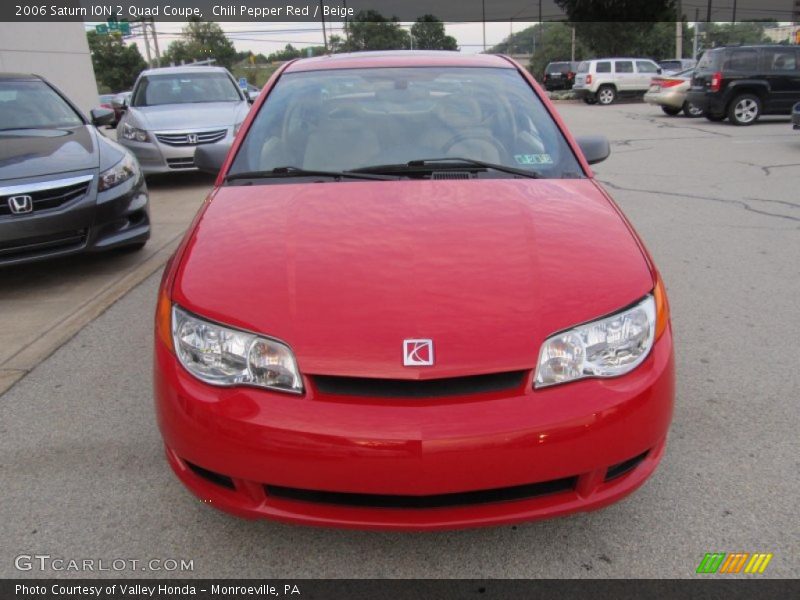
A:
x: 716, y: 82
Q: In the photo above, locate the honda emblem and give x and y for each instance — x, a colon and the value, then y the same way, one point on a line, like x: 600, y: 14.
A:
x: 20, y: 205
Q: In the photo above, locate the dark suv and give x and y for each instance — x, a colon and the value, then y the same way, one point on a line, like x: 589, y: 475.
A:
x: 559, y: 75
x: 744, y: 82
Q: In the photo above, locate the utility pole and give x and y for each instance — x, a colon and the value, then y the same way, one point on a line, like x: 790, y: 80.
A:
x: 324, y: 33
x: 483, y: 11
x: 572, y: 56
x: 679, y: 33
x: 146, y: 44
x: 708, y: 12
x: 696, y: 27
x: 733, y: 18
x: 155, y: 41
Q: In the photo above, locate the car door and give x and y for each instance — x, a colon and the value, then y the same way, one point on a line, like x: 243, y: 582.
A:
x: 780, y: 67
x: 645, y: 71
x: 624, y: 75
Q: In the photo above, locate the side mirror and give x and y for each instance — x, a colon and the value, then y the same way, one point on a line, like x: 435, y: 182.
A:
x: 595, y: 148
x: 101, y: 116
x: 658, y: 70
x: 209, y: 158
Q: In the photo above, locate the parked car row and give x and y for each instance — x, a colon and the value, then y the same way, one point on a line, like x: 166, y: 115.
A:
x: 64, y: 187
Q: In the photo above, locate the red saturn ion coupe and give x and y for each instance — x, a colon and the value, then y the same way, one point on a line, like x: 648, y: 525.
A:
x: 407, y: 304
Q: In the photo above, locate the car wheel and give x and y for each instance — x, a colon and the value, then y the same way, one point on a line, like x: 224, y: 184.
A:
x: 744, y: 109
x: 671, y: 111
x: 692, y: 110
x: 606, y: 95
x: 714, y: 118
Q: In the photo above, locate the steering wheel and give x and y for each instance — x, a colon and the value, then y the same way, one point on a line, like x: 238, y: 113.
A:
x: 462, y: 137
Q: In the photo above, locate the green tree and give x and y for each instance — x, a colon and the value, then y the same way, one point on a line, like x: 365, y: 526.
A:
x: 116, y: 65
x: 428, y: 33
x: 370, y: 30
x: 616, y: 27
x: 202, y: 40
x: 723, y: 34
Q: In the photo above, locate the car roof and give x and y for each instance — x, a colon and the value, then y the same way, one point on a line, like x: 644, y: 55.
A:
x: 398, y: 58
x: 18, y: 77
x: 620, y: 58
x: 184, y: 69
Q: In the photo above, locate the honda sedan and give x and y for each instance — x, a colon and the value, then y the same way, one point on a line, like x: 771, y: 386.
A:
x: 408, y: 304
x: 174, y: 109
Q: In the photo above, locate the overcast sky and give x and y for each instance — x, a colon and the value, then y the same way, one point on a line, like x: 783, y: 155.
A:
x: 269, y: 37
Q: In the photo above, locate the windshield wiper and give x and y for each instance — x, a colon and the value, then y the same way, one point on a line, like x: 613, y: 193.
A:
x: 426, y: 163
x: 298, y: 172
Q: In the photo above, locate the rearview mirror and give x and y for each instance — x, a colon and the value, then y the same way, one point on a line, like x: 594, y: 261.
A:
x: 595, y: 148
x: 101, y: 116
x: 209, y: 158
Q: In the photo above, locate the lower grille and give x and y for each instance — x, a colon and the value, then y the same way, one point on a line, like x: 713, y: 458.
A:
x: 519, y: 492
x: 413, y: 388
x: 181, y: 163
x: 43, y: 244
x: 215, y: 478
x: 620, y: 469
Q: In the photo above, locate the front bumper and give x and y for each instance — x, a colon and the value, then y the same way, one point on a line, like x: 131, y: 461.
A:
x: 91, y: 223
x: 156, y: 157
x: 415, y: 464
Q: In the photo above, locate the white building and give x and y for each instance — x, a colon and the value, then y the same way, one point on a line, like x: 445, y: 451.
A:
x: 782, y: 33
x: 59, y: 52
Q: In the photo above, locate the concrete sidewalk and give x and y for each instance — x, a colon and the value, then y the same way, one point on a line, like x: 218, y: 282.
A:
x: 42, y: 305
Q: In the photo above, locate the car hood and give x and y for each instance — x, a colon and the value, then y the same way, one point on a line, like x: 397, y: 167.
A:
x: 187, y: 117
x: 344, y: 272
x: 37, y: 152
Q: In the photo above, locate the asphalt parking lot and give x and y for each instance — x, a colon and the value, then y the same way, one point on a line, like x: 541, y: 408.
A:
x: 84, y: 476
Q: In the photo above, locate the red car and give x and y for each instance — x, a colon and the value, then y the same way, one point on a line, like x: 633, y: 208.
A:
x: 407, y: 304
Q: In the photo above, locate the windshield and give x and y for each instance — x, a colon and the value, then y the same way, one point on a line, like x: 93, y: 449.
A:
x: 34, y: 105
x: 561, y: 67
x: 185, y: 88
x: 346, y: 119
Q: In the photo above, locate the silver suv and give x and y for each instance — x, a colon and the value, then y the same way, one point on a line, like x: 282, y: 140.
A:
x: 602, y: 80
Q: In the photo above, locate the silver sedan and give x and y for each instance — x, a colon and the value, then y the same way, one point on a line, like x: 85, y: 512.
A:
x: 669, y: 92
x: 175, y: 109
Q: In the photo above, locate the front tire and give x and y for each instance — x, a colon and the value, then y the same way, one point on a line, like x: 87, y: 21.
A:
x: 744, y: 109
x: 669, y: 110
x: 692, y: 110
x: 606, y: 95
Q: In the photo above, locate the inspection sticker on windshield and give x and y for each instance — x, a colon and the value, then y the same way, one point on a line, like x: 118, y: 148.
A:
x: 533, y: 159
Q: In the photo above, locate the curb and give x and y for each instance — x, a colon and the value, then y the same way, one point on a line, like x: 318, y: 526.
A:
x: 19, y: 365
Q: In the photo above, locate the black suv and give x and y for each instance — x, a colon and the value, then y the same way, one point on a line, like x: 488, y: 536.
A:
x: 744, y: 82
x: 560, y: 75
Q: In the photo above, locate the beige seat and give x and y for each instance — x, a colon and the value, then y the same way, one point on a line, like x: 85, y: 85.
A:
x: 461, y: 127
x: 341, y: 143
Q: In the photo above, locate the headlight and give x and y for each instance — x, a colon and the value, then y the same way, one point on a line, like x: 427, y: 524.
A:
x: 129, y: 132
x: 237, y: 127
x: 607, y: 347
x: 223, y: 356
x: 120, y: 172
